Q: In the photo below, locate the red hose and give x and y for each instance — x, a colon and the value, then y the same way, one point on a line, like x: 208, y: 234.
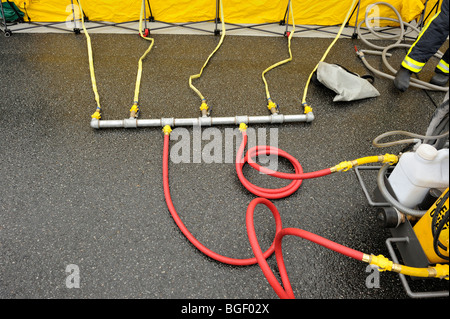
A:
x: 287, y: 292
x: 270, y: 193
x: 260, y: 257
x: 190, y: 237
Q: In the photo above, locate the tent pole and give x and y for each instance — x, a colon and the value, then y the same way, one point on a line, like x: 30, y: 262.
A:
x: 75, y: 29
x: 355, y: 34
x: 217, y: 19
x: 436, y: 5
x: 287, y: 17
x: 422, y: 16
x: 282, y: 22
x: 151, y: 18
x: 6, y: 31
x: 145, y: 15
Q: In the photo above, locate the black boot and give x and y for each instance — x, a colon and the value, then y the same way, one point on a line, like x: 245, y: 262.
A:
x: 440, y: 78
x: 401, y: 80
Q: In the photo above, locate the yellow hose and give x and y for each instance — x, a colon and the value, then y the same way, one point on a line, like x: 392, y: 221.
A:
x: 305, y: 92
x: 384, y: 264
x: 135, y: 107
x: 196, y: 76
x: 97, y: 114
x: 346, y: 165
x: 270, y: 103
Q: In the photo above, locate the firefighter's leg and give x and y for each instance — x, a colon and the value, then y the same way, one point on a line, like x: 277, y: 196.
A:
x: 441, y: 76
x: 429, y: 41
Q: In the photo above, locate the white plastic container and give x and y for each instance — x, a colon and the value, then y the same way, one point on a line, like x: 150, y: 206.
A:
x: 417, y: 172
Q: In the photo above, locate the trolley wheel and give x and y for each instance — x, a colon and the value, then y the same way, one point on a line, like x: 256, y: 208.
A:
x: 77, y: 30
x: 8, y: 33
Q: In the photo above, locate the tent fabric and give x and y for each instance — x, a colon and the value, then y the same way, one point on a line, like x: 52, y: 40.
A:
x: 306, y: 12
x: 45, y: 10
x: 163, y: 10
x: 11, y: 11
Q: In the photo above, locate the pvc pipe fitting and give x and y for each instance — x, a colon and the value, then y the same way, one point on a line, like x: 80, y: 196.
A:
x: 202, y: 121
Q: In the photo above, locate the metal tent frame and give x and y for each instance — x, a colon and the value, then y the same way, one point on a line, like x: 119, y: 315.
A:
x: 162, y: 25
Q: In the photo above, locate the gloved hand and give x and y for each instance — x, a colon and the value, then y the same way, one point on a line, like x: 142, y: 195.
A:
x: 402, y: 78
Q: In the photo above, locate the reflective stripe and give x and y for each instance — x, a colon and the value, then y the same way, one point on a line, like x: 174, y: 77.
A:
x: 423, y: 31
x: 412, y: 65
x: 443, y: 66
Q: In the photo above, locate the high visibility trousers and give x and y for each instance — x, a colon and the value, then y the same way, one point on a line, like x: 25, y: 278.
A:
x: 429, y: 41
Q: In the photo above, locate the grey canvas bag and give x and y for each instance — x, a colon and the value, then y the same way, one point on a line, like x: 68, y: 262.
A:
x: 349, y: 86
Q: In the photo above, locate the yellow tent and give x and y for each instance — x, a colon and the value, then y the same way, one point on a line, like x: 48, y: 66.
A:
x: 307, y: 12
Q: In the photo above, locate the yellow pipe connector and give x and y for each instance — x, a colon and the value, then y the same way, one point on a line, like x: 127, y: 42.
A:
x: 134, y: 111
x: 384, y: 264
x: 272, y: 107
x: 167, y: 130
x: 307, y: 109
x: 204, y: 108
x: 346, y: 165
x: 242, y: 127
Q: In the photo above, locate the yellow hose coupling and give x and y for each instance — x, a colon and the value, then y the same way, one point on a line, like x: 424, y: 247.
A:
x: 390, y: 158
x: 271, y: 105
x: 242, y: 127
x: 167, y: 130
x: 204, y: 109
x: 134, y: 110
x: 342, y: 166
x: 382, y: 262
x: 307, y: 108
x: 96, y: 115
x: 441, y: 271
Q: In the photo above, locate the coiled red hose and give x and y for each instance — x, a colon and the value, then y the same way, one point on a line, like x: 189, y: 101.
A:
x: 271, y: 193
x: 260, y: 257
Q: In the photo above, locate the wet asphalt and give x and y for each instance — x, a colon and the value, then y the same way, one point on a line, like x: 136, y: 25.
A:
x: 73, y: 195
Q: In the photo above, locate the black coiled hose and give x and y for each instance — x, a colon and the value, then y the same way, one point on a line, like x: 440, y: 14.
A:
x: 438, y: 226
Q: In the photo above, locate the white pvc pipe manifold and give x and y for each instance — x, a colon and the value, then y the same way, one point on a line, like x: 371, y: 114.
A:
x: 202, y: 121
